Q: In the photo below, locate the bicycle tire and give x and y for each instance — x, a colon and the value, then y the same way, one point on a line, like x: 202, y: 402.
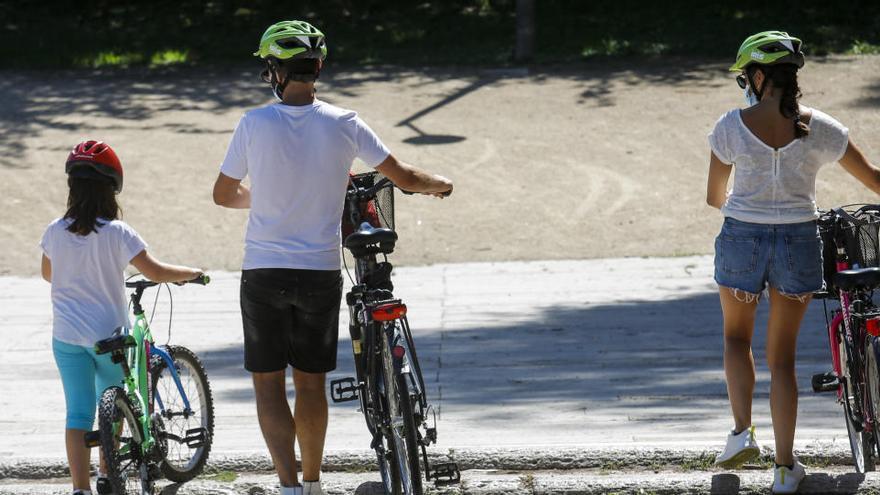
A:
x: 402, y: 421
x: 116, y: 416
x: 182, y: 463
x: 872, y: 384
x: 861, y: 454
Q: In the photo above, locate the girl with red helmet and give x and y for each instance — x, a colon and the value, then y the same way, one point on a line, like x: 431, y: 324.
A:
x: 85, y: 253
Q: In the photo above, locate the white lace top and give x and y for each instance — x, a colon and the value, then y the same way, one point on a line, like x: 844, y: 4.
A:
x: 775, y: 185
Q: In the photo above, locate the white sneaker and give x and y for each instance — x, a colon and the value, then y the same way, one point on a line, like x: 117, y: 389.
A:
x: 788, y: 480
x: 739, y: 450
x: 312, y: 488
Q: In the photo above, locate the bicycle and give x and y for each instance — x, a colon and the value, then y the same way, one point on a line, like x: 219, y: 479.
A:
x: 850, y: 239
x: 162, y: 422
x: 388, y: 379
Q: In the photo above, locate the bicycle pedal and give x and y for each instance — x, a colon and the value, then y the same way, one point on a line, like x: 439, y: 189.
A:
x: 825, y: 382
x: 196, y: 437
x: 445, y: 473
x: 92, y: 439
x: 344, y: 390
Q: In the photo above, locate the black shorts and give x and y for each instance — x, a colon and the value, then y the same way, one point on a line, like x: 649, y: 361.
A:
x: 290, y: 317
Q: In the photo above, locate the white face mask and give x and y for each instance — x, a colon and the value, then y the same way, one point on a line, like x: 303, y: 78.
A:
x: 751, y: 99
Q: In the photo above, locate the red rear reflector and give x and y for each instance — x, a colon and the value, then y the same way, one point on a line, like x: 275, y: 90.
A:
x: 398, y: 352
x: 872, y: 326
x: 389, y: 312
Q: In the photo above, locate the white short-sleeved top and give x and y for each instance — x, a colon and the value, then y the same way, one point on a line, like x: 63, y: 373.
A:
x: 88, y: 279
x: 298, y: 159
x: 775, y: 185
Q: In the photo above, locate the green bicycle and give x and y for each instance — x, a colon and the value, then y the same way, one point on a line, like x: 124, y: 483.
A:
x: 161, y: 423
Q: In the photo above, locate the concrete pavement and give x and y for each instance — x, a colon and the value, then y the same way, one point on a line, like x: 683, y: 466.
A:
x: 561, y: 364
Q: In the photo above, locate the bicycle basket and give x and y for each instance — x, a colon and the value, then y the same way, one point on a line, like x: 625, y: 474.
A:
x: 378, y: 211
x: 859, y: 233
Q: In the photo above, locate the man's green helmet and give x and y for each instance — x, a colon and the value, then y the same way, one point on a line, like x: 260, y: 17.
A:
x: 292, y: 39
x: 769, y: 48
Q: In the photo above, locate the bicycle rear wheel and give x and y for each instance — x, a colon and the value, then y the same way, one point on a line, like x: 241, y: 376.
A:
x: 188, y: 431
x: 859, y: 440
x: 402, y: 421
x: 121, y: 441
x: 872, y: 384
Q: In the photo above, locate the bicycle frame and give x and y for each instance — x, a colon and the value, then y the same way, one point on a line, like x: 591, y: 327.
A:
x: 137, y: 373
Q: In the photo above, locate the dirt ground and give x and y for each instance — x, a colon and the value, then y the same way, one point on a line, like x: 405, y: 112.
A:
x: 590, y: 161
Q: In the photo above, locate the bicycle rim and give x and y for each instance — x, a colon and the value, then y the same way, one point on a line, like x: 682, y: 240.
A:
x: 121, y: 443
x: 402, y: 425
x: 182, y: 462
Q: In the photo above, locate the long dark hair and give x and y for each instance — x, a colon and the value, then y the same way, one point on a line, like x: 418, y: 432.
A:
x: 89, y: 200
x: 784, y: 77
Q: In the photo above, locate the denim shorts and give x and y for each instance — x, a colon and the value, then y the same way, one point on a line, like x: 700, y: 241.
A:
x: 753, y: 256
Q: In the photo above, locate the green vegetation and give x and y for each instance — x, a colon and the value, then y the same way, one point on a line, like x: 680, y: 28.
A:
x: 223, y: 476
x: 101, y: 33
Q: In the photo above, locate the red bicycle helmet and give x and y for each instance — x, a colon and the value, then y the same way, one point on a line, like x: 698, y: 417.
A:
x: 95, y: 159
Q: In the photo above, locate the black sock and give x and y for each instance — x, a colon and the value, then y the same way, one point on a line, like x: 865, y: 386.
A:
x: 789, y: 466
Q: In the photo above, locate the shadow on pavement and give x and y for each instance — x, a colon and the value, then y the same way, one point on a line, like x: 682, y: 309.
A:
x: 652, y: 361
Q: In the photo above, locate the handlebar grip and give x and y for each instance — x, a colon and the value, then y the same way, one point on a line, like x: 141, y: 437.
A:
x: 409, y: 193
x: 202, y: 279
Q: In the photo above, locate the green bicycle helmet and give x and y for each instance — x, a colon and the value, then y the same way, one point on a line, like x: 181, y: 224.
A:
x: 769, y: 48
x: 292, y: 39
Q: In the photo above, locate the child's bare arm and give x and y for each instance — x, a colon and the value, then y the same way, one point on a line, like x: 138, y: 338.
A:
x: 158, y: 271
x: 46, y: 269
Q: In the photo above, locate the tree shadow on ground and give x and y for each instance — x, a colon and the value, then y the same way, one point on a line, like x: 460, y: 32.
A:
x: 36, y: 101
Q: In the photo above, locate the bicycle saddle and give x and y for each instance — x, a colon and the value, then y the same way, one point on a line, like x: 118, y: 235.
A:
x: 115, y: 343
x: 858, y: 278
x: 370, y: 240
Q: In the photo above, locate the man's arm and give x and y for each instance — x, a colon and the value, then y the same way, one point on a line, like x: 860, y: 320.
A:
x: 412, y: 179
x: 231, y: 193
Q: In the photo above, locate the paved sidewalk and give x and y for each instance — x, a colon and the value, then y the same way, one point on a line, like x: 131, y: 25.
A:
x: 619, y: 355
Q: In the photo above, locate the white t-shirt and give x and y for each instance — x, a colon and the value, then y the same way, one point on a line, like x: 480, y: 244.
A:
x: 298, y: 159
x: 88, y: 279
x: 776, y: 185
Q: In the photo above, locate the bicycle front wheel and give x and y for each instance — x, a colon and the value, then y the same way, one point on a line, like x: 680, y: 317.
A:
x: 859, y: 439
x: 121, y: 441
x: 402, y: 422
x: 186, y: 408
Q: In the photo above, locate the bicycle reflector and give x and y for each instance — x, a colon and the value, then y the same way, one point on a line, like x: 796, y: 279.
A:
x: 389, y: 312
x: 872, y: 326
x: 398, y: 351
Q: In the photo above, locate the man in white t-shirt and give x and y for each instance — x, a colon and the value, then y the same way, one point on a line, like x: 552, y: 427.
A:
x: 298, y: 154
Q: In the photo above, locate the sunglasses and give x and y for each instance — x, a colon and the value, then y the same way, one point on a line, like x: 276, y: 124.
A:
x: 741, y: 81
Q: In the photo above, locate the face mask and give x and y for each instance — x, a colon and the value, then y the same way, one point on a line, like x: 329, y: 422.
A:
x: 751, y: 99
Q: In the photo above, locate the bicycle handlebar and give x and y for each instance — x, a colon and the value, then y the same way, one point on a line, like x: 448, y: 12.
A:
x: 202, y: 279
x: 370, y: 192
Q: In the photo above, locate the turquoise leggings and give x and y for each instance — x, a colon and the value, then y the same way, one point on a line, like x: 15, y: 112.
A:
x: 84, y: 375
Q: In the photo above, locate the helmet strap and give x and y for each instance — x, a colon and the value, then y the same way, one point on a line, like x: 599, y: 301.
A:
x: 758, y: 93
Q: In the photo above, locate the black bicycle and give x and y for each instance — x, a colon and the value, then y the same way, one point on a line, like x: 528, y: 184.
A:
x: 389, y: 381
x: 850, y: 238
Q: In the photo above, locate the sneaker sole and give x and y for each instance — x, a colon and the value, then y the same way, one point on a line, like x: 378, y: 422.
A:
x: 740, y: 458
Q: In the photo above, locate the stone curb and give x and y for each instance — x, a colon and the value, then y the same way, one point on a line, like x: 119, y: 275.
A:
x: 489, y: 459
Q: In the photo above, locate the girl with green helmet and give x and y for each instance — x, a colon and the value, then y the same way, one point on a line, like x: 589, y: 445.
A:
x: 769, y: 242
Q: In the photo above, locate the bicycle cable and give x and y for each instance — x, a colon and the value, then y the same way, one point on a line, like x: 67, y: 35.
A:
x: 170, y: 314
